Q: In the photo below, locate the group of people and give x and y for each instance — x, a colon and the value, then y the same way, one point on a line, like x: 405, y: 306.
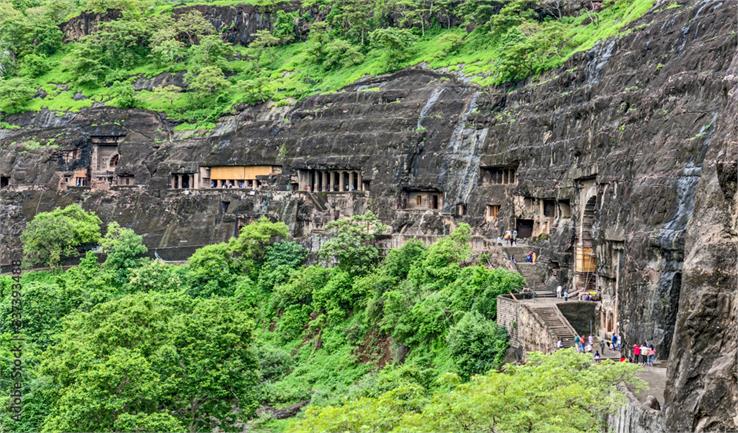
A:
x: 531, y: 256
x: 644, y: 354
x: 640, y: 354
x: 562, y: 293
x: 511, y: 237
x: 587, y: 345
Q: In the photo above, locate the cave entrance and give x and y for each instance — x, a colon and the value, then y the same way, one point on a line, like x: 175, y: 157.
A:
x: 524, y: 228
x: 586, y: 262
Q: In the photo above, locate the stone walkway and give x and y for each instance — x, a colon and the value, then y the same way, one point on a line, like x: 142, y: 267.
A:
x: 655, y: 377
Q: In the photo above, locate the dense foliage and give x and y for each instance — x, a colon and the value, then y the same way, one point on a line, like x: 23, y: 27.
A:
x: 323, y: 46
x: 133, y: 344
x: 563, y: 392
x: 58, y: 234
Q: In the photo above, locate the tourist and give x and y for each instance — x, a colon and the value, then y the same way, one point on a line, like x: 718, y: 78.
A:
x: 576, y: 342
x: 602, y: 345
x: 614, y: 342
x: 508, y: 236
x: 597, y: 357
x: 514, y: 237
x: 620, y: 343
x: 559, y: 344
x: 636, y: 352
x: 651, y: 355
x: 566, y: 295
x: 644, y: 353
x: 558, y: 291
x: 581, y: 343
x: 529, y: 257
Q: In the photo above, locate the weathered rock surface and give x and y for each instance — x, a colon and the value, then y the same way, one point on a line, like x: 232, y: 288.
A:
x: 238, y: 23
x: 86, y: 23
x: 165, y: 79
x: 636, y: 136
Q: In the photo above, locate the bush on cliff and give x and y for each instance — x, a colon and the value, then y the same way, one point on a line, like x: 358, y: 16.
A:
x: 58, y: 234
x: 489, y: 41
x: 562, y: 392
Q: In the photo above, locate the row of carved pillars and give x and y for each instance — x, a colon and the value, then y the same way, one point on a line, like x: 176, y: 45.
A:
x: 182, y: 181
x: 330, y: 180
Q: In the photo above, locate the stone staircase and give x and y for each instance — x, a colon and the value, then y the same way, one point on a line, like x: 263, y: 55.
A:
x: 319, y: 203
x: 534, y: 273
x: 555, y: 323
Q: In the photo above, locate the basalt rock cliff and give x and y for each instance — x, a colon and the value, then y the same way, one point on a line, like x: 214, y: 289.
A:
x: 621, y: 164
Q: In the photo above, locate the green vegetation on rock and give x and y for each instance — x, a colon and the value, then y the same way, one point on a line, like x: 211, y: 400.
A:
x: 489, y: 42
x: 253, y: 326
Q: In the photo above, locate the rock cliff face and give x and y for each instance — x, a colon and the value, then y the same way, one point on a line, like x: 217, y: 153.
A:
x: 622, y: 164
x: 86, y: 23
x: 238, y: 23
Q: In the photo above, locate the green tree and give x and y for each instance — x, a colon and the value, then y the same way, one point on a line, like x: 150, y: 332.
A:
x: 561, y: 392
x: 125, y: 95
x: 284, y: 253
x: 15, y: 93
x: 254, y: 241
x: 476, y: 344
x: 32, y: 65
x: 191, y: 26
x: 210, y: 51
x: 208, y: 83
x: 166, y: 48
x: 396, y: 43
x: 124, y: 250
x: 285, y: 26
x: 52, y: 236
x: 211, y: 271
x: 341, y: 54
x: 155, y: 276
x: 152, y: 360
x: 352, y: 18
x: 264, y: 38
x: 351, y: 243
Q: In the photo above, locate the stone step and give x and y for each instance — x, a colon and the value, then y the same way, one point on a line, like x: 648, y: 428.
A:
x: 553, y: 321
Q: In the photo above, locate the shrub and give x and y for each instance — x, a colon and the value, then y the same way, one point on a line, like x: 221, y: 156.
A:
x: 15, y: 94
x: 58, y: 234
x: 340, y: 53
x: 350, y: 246
x: 476, y: 344
x: 396, y: 43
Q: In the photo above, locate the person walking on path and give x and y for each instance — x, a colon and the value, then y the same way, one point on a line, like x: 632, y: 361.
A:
x: 514, y: 237
x: 636, y: 353
x: 644, y: 353
x: 566, y: 295
x: 614, y: 342
x: 620, y: 343
x: 558, y: 291
x: 651, y: 355
x: 602, y: 345
x: 576, y: 342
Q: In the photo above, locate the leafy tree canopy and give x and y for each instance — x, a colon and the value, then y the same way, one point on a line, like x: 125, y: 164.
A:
x: 58, y: 234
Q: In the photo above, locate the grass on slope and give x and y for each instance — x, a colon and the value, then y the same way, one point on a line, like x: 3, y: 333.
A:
x: 288, y: 73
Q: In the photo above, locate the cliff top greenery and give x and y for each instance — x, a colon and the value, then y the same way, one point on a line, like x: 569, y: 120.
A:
x: 320, y: 47
x: 406, y: 342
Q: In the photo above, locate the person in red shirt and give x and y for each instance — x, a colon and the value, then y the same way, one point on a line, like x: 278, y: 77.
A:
x: 636, y: 352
